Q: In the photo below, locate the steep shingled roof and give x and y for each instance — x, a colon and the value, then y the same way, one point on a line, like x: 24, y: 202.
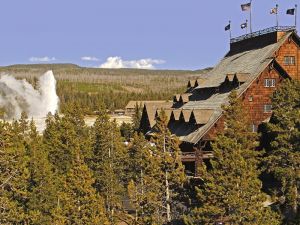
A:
x: 152, y: 107
x: 186, y: 113
x: 250, y: 63
x: 202, y: 116
x: 176, y: 114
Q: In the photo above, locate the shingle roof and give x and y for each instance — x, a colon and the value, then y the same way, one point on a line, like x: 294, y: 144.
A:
x: 152, y: 107
x: 176, y: 98
x: 185, y: 97
x: 186, y: 114
x: 250, y: 62
x: 176, y: 114
x: 133, y: 104
x: 202, y: 116
x: 246, y: 66
x: 191, y: 83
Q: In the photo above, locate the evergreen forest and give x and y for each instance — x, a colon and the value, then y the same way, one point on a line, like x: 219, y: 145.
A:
x: 89, y: 87
x: 75, y: 174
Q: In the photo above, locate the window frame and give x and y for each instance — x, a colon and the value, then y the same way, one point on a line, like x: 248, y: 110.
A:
x: 254, y: 128
x: 270, y: 82
x: 268, y: 108
x: 289, y: 60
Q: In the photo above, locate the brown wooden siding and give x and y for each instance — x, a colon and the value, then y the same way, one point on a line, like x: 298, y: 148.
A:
x: 257, y: 95
x: 289, y: 48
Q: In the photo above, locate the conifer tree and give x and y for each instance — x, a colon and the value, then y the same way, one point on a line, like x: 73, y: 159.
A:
x: 11, y: 210
x: 79, y: 201
x: 137, y: 117
x: 283, y: 153
x: 62, y: 134
x: 108, y: 163
x: 42, y: 183
x: 144, y: 169
x: 171, y: 175
x: 231, y: 191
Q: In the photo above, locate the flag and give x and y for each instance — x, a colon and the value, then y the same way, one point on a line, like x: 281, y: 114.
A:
x: 290, y: 11
x: 227, y: 27
x: 246, y: 7
x: 274, y: 11
x: 244, y: 25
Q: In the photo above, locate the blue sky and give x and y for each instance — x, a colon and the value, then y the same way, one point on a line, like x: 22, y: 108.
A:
x: 169, y: 34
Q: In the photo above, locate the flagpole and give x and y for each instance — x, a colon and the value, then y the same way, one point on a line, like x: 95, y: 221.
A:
x: 230, y: 29
x: 296, y: 6
x: 250, y: 16
x: 247, y: 26
x: 277, y: 15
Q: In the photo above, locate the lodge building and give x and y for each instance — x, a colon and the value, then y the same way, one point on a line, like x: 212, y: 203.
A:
x: 255, y: 66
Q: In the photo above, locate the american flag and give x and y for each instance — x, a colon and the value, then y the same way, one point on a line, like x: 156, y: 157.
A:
x: 246, y: 7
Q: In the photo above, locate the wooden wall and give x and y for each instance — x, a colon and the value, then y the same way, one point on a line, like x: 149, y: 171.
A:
x: 289, y: 48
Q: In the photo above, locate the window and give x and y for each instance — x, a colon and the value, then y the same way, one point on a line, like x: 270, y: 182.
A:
x: 267, y: 108
x: 270, y: 82
x: 253, y: 128
x: 289, y: 60
x: 250, y: 98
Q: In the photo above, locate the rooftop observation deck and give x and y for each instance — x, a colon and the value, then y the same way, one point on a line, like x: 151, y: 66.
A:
x: 263, y: 32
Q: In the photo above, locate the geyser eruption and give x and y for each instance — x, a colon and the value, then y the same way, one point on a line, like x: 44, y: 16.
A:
x: 17, y: 96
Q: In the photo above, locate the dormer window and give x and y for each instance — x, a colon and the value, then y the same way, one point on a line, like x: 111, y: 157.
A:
x: 289, y: 60
x: 270, y: 82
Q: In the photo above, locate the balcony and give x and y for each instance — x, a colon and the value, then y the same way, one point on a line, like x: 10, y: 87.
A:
x: 191, y: 156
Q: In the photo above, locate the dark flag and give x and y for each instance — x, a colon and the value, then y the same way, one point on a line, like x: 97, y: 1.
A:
x: 291, y: 11
x: 244, y: 25
x: 246, y: 7
x: 227, y: 27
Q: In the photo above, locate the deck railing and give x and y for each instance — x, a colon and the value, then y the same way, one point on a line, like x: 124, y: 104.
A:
x: 262, y: 32
x: 191, y: 156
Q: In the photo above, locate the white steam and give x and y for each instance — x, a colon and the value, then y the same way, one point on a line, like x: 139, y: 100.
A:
x: 17, y: 96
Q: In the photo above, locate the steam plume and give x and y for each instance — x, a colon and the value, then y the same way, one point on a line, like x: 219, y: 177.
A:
x: 17, y: 96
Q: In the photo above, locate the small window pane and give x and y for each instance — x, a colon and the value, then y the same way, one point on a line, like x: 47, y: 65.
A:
x: 267, y: 108
x: 289, y: 60
x: 270, y: 82
x: 253, y: 128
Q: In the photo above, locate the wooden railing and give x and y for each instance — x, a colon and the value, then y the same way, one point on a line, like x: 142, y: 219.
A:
x: 191, y: 156
x: 262, y: 32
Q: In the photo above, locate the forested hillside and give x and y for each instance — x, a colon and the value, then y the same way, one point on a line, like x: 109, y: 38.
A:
x: 115, y: 87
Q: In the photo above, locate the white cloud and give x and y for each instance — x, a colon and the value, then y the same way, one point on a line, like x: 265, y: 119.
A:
x: 42, y: 59
x: 89, y: 58
x: 117, y: 62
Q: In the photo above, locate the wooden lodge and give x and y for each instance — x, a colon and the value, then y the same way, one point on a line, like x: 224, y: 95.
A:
x: 255, y: 66
x: 131, y: 105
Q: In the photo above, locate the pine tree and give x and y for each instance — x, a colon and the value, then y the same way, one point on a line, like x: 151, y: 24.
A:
x: 283, y: 153
x: 144, y: 171
x: 171, y: 174
x: 11, y: 211
x: 108, y: 164
x: 61, y: 135
x: 79, y: 201
x: 14, y: 173
x: 137, y: 116
x: 231, y: 191
x: 42, y: 182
